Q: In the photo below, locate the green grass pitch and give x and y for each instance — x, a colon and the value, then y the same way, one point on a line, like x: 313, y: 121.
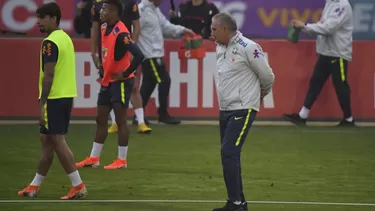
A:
x: 313, y: 164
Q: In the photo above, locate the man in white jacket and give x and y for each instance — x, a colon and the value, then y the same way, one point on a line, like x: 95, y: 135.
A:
x: 151, y: 41
x: 334, y: 48
x: 243, y: 77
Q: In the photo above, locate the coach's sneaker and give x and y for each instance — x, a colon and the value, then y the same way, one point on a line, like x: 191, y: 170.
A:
x: 117, y: 164
x: 113, y: 128
x: 244, y: 206
x: 295, y: 118
x: 345, y: 123
x: 143, y: 128
x: 76, y: 193
x: 230, y: 206
x: 89, y: 162
x: 30, y: 191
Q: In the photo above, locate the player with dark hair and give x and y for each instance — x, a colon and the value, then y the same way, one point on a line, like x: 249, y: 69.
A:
x: 116, y: 85
x: 130, y: 17
x: 57, y: 88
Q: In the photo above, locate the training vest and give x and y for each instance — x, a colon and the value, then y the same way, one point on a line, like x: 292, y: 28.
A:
x: 111, y: 66
x: 64, y: 82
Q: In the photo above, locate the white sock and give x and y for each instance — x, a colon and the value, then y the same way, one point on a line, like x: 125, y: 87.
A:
x: 304, y: 113
x: 75, y: 178
x: 38, y: 179
x: 122, y: 152
x: 96, y: 150
x: 140, y: 115
x: 113, y: 118
x: 350, y: 119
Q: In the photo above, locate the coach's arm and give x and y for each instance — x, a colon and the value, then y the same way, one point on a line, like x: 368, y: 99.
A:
x: 330, y: 25
x: 171, y: 30
x: 258, y: 63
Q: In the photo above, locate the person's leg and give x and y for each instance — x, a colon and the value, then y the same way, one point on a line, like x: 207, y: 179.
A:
x: 103, y: 110
x: 59, y: 125
x: 339, y: 69
x: 164, y: 84
x: 45, y: 162
x: 318, y: 79
x: 113, y: 127
x: 120, y: 97
x: 148, y: 81
x: 57, y: 120
x: 239, y: 123
x: 136, y: 100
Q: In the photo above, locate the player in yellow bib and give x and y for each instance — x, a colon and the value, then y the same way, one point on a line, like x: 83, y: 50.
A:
x: 57, y: 88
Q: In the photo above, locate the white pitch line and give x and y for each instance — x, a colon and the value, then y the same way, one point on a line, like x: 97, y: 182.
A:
x: 179, y: 201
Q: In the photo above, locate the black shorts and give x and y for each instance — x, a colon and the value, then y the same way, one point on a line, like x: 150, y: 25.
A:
x: 116, y: 92
x: 57, y: 113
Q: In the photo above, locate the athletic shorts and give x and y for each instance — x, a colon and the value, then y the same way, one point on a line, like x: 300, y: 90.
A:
x: 57, y: 113
x: 116, y: 92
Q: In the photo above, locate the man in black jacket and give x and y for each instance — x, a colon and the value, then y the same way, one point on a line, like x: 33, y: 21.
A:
x: 195, y: 15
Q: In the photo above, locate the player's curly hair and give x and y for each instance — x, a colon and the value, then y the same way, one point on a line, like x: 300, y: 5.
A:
x: 117, y: 3
x: 49, y: 9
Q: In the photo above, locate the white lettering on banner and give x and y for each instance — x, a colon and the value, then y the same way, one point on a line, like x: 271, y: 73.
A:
x: 88, y: 100
x: 236, y: 8
x: 10, y: 21
x: 191, y: 78
x: 208, y: 88
x: 83, y: 80
x: 364, y: 17
x: 268, y: 101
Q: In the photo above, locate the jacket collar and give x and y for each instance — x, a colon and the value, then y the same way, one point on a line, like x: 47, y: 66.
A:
x: 236, y: 37
x: 148, y: 3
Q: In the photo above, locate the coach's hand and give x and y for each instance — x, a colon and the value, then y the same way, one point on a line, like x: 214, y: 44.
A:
x: 298, y: 24
x: 189, y: 32
x: 172, y: 14
x: 263, y: 93
x: 42, y: 121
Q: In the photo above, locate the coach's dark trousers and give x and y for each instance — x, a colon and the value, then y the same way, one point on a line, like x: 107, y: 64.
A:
x: 154, y: 72
x: 234, y: 126
x: 338, y: 69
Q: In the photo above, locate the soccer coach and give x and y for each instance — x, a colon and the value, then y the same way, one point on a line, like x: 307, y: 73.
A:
x: 334, y: 48
x: 243, y: 78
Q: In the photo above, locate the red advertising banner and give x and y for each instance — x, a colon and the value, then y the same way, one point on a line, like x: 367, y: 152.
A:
x: 193, y: 90
x: 20, y: 16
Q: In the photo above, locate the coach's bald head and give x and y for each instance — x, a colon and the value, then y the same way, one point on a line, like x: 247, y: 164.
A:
x: 223, y: 27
